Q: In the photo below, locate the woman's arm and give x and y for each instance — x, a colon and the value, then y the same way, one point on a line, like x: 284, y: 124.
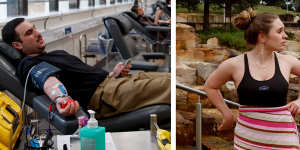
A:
x: 294, y: 106
x: 157, y: 15
x: 212, y: 85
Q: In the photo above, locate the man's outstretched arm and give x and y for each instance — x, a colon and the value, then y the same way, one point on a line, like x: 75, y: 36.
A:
x: 57, y: 92
x: 43, y: 77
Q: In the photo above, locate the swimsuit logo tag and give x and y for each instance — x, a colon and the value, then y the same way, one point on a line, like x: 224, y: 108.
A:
x: 263, y: 88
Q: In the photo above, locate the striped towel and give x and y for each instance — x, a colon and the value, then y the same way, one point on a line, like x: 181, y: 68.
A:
x: 265, y: 128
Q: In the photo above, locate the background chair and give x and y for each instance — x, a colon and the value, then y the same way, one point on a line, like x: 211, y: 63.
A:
x: 118, y: 28
x: 151, y: 33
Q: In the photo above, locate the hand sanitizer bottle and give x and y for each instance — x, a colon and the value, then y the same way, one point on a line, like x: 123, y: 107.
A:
x: 92, y: 136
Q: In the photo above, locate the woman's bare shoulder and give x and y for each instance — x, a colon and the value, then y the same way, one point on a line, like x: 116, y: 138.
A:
x: 234, y: 61
x: 228, y: 68
x: 286, y: 57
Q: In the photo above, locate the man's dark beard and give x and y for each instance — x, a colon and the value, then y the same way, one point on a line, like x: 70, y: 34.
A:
x: 42, y: 49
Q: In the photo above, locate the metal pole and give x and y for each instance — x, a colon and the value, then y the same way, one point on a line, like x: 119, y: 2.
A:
x: 199, y: 124
x: 146, y: 5
x: 153, y: 120
x: 82, y: 36
x: 224, y: 18
x: 23, y: 7
x: 153, y: 129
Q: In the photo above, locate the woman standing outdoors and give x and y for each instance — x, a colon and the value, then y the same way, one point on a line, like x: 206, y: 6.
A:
x: 261, y: 76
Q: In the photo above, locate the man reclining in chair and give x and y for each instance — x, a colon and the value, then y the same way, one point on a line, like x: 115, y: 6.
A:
x: 61, y: 75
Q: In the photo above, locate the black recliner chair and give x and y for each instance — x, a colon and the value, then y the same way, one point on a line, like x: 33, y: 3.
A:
x: 151, y: 33
x: 118, y: 28
x: 135, y: 120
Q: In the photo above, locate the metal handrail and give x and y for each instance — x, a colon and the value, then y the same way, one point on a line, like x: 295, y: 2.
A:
x: 199, y: 112
x: 82, y: 36
x: 184, y: 87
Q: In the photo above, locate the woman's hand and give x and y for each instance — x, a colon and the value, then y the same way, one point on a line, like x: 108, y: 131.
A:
x: 228, y: 121
x: 70, y: 108
x: 294, y: 107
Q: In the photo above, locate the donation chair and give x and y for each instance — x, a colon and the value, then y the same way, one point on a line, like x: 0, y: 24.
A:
x: 135, y: 120
x: 118, y: 28
x: 151, y: 33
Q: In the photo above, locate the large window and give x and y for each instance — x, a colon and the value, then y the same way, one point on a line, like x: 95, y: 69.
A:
x: 112, y: 2
x: 38, y: 7
x: 11, y: 8
x: 102, y: 2
x: 74, y: 4
x: 3, y: 9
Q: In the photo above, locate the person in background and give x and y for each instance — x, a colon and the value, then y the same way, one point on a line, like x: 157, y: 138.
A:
x: 146, y: 20
x: 142, y: 18
x: 161, y: 17
x: 261, y: 76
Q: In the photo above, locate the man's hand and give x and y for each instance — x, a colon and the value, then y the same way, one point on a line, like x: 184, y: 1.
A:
x: 126, y: 70
x: 120, y: 70
x: 70, y: 108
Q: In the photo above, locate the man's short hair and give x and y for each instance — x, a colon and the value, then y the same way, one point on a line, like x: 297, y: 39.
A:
x: 9, y: 34
x: 134, y: 8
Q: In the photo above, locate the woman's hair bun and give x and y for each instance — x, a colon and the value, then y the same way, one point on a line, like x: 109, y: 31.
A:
x: 244, y: 19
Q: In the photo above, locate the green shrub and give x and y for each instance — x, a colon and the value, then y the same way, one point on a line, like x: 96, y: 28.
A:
x: 291, y: 36
x: 233, y: 39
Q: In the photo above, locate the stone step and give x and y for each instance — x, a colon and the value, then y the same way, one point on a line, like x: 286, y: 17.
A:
x: 211, y: 118
x: 209, y: 143
x: 216, y: 143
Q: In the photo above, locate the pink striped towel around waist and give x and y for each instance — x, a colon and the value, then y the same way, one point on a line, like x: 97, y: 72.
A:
x: 265, y: 128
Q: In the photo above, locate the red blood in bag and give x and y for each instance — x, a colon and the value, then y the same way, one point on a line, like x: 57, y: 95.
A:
x: 65, y: 104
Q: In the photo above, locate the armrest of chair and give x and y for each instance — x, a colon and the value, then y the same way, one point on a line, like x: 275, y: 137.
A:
x: 143, y: 65
x: 154, y: 55
x: 124, y: 122
x: 66, y: 125
x: 158, y: 28
x: 139, y: 119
